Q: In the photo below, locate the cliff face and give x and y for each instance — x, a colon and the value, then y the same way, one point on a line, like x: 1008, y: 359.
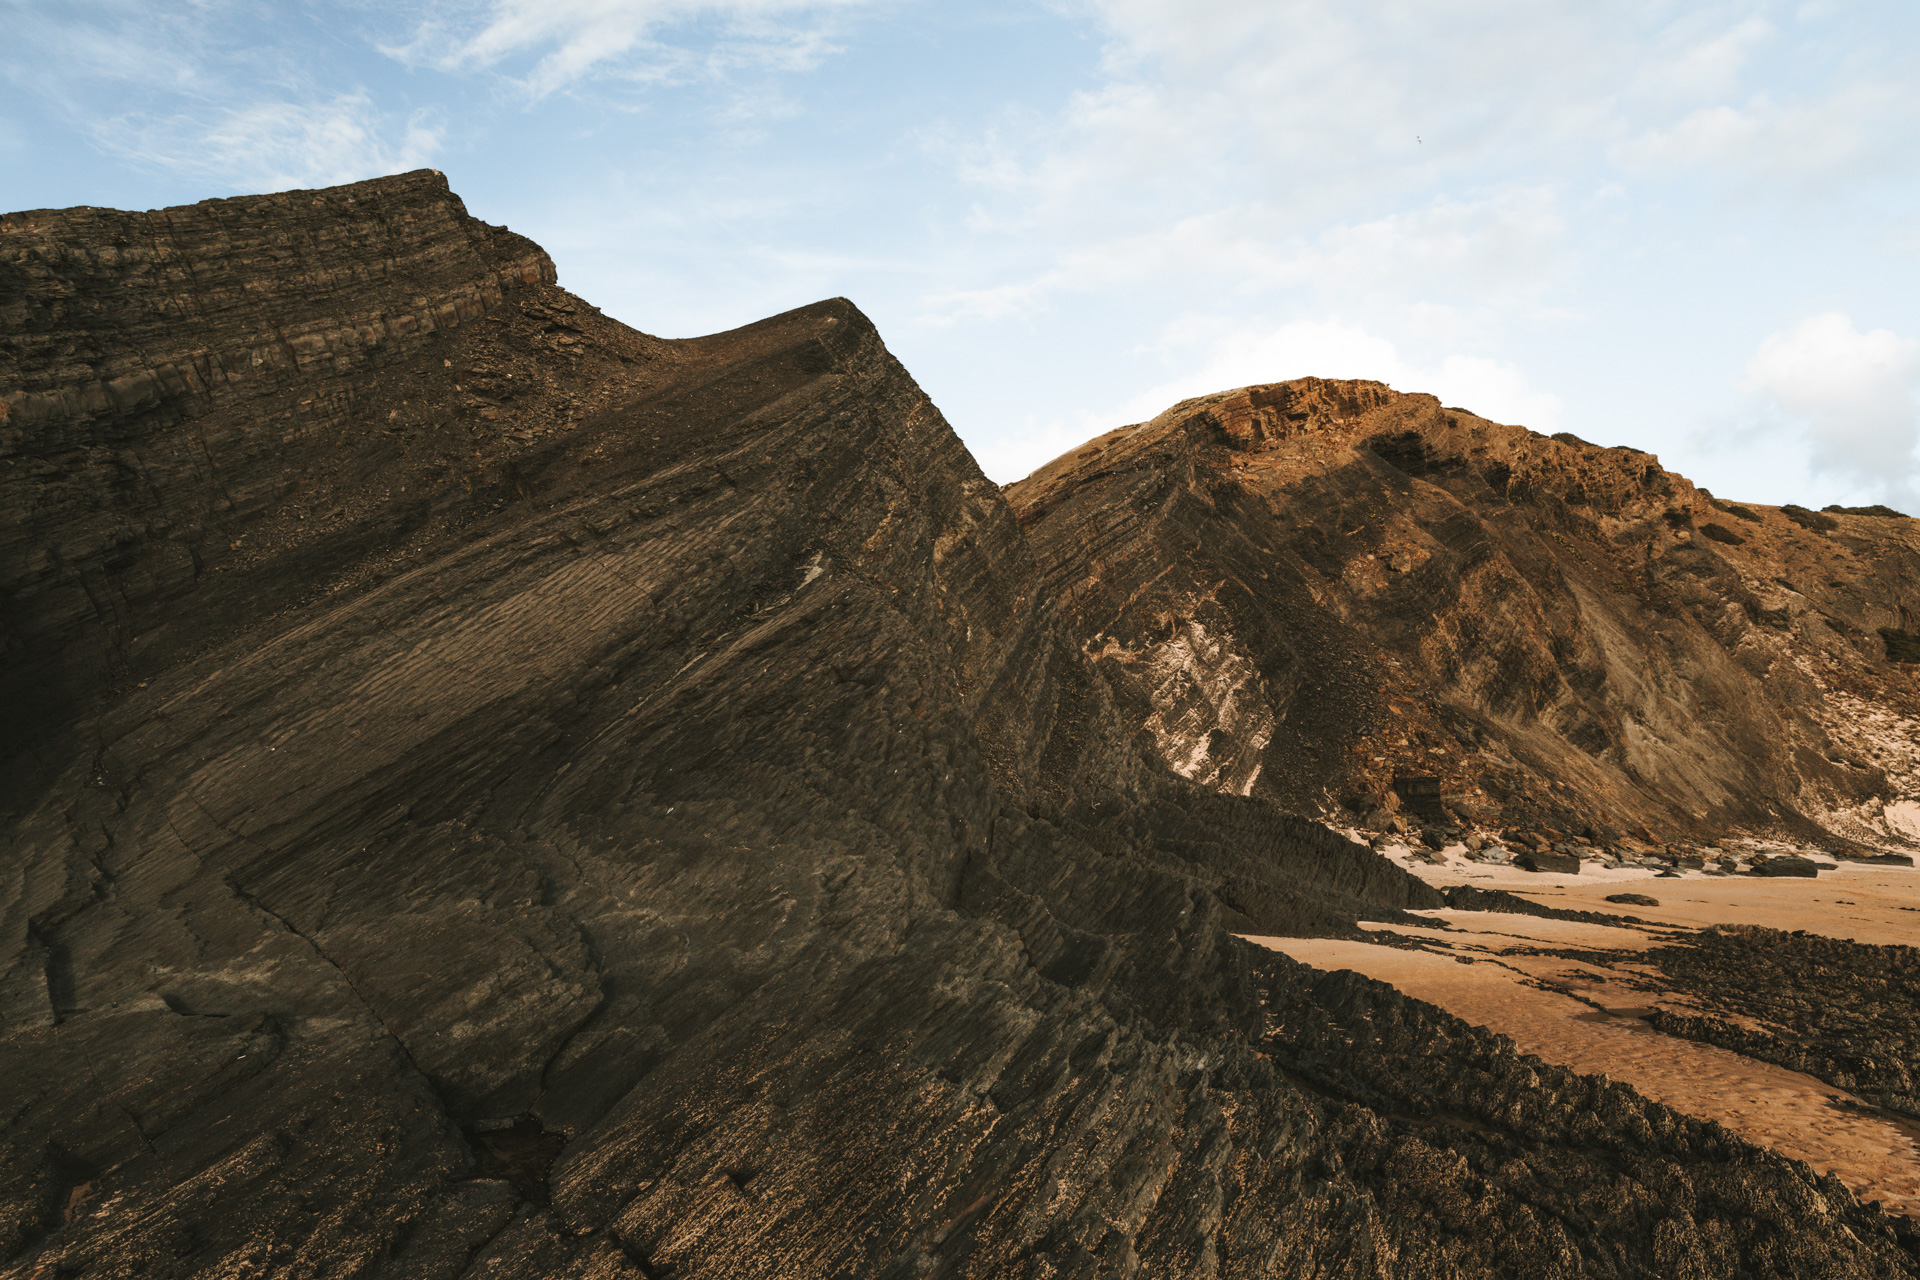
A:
x: 1302, y: 590
x: 510, y: 795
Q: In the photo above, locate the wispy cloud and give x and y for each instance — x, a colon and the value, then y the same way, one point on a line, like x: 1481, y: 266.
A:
x: 1503, y: 248
x: 1868, y: 130
x: 230, y: 92
x: 569, y: 41
x: 206, y: 92
x: 267, y: 146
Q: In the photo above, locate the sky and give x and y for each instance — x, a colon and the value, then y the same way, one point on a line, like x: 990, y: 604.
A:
x: 1686, y: 227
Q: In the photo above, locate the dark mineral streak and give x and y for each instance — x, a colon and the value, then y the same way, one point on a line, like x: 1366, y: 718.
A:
x: 493, y: 793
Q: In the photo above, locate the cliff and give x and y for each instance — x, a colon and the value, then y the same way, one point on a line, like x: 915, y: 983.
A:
x: 1306, y: 589
x: 498, y: 793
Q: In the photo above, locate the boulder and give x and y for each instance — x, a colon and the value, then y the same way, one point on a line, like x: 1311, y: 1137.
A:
x: 1547, y: 860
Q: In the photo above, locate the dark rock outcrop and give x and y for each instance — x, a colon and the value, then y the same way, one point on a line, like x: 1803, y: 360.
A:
x: 1514, y: 1153
x: 1844, y: 1012
x: 1467, y: 897
x: 185, y: 444
x: 496, y: 793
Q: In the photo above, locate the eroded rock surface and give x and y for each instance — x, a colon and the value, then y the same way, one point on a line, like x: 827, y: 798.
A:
x: 497, y: 793
x: 1310, y: 588
x: 1842, y: 1011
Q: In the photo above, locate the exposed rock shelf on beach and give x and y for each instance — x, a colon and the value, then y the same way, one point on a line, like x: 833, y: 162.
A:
x: 1842, y: 1011
x: 1523, y: 986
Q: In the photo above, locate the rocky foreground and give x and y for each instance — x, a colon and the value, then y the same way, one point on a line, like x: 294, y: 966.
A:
x: 490, y: 792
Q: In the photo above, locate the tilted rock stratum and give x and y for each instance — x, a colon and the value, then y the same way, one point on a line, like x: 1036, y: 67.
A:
x: 1304, y: 589
x: 490, y: 792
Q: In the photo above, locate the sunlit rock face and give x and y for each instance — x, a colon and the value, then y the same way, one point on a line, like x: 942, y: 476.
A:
x: 495, y: 793
x: 1314, y: 586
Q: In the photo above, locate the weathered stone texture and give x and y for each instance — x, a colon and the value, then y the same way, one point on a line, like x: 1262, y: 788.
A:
x: 169, y: 378
x: 1352, y: 583
x: 633, y: 809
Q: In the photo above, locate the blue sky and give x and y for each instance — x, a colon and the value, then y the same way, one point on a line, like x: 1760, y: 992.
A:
x: 1687, y: 227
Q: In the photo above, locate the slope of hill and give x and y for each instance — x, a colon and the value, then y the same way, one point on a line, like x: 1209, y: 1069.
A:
x: 498, y: 793
x: 1304, y: 589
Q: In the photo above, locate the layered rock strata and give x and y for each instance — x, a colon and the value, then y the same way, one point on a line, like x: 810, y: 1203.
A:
x: 182, y: 446
x: 523, y: 797
x: 1310, y: 589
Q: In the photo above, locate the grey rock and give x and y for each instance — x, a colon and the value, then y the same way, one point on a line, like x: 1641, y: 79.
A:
x: 1845, y: 1012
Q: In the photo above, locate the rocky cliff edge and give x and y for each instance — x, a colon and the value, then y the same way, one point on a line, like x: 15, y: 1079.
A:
x: 493, y: 792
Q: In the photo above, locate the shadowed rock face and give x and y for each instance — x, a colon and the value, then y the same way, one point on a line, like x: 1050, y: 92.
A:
x: 502, y: 794
x: 1301, y: 590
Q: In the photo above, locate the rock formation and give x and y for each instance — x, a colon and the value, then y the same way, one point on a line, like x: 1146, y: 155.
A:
x: 495, y: 793
x: 1306, y: 589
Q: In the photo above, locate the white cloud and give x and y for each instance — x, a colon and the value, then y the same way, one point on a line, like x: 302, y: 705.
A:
x: 1328, y: 110
x: 1318, y: 106
x: 1700, y: 57
x: 1865, y: 129
x: 268, y: 146
x: 1853, y: 394
x: 1501, y: 249
x: 1219, y: 357
x: 213, y: 91
x: 1220, y: 354
x: 1504, y: 247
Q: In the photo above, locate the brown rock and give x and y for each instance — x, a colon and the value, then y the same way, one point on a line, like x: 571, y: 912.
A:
x: 1326, y: 567
x: 453, y: 734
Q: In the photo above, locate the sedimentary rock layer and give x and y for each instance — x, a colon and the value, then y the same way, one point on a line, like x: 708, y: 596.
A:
x: 1305, y: 589
x: 518, y: 796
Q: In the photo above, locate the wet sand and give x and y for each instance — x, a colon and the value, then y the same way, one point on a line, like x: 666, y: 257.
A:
x: 1796, y: 1115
